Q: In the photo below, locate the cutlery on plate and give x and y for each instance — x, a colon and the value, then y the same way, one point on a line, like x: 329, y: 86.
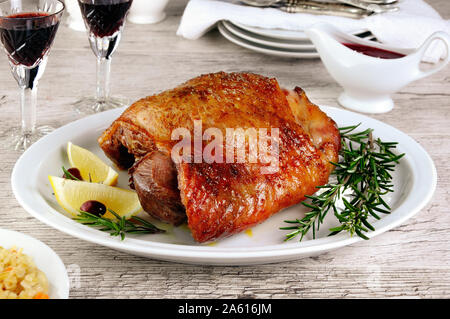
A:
x: 381, y: 2
x: 375, y: 7
x: 261, y: 3
x: 325, y: 8
x: 331, y: 6
x: 348, y: 8
x: 299, y: 6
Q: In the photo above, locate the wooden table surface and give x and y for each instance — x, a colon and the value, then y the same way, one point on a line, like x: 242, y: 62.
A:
x: 413, y: 260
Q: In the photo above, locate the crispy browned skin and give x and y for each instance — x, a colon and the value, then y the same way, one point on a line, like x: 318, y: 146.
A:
x: 223, y: 199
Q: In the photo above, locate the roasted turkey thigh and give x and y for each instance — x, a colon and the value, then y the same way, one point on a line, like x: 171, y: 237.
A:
x: 221, y: 199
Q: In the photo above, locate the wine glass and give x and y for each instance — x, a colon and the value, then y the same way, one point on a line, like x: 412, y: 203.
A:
x: 27, y: 31
x: 104, y: 20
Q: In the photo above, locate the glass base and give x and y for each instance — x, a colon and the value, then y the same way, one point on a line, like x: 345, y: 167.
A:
x: 18, y: 141
x: 91, y: 105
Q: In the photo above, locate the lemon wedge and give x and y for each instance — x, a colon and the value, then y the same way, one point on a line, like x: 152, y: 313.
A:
x: 91, y: 167
x: 72, y: 194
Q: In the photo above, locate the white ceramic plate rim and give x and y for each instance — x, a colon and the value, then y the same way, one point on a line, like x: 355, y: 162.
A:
x: 421, y: 164
x: 282, y: 33
x: 38, y: 251
x: 267, y: 50
x: 255, y: 38
x: 274, y: 33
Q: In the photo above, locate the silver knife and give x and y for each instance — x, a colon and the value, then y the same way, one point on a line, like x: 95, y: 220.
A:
x: 337, y: 9
x: 377, y: 8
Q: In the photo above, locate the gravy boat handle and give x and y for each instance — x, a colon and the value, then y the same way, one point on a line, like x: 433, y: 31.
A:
x: 445, y: 38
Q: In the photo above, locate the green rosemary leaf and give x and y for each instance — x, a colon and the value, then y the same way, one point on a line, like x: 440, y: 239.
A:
x: 144, y: 222
x: 292, y: 221
x: 384, y: 211
x: 288, y: 228
x: 309, y: 205
x: 337, y: 229
x: 367, y: 224
x: 360, y: 234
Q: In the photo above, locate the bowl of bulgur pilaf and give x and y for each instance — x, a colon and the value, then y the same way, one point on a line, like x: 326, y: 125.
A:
x: 29, y: 269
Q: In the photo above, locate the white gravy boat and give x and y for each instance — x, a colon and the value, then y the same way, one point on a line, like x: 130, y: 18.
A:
x: 368, y: 81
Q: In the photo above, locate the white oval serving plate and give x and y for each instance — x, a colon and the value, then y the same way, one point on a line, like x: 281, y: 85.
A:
x: 43, y: 257
x: 414, y: 182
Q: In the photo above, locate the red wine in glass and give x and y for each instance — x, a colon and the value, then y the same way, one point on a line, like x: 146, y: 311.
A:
x: 27, y: 31
x: 27, y: 45
x: 104, y: 20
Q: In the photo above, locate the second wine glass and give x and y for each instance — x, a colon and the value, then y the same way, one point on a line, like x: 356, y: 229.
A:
x: 104, y: 20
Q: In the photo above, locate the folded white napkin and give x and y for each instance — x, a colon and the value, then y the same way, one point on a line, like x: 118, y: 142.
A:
x: 405, y: 28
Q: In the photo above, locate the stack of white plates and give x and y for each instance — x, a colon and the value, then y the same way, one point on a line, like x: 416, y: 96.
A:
x: 285, y: 43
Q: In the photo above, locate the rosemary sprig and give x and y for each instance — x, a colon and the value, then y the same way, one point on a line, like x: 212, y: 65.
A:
x: 363, y: 175
x: 119, y: 227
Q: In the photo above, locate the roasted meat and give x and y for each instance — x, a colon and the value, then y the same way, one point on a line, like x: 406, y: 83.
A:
x: 220, y: 199
x: 154, y: 177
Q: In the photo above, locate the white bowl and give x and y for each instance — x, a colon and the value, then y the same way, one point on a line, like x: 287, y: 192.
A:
x: 43, y: 257
x: 147, y: 11
x: 74, y: 20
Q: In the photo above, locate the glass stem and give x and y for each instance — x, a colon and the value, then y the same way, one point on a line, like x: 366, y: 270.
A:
x: 103, y: 75
x: 28, y: 78
x: 28, y: 103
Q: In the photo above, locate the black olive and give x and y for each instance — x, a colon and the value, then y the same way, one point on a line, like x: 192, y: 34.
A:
x: 94, y: 207
x: 75, y: 172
